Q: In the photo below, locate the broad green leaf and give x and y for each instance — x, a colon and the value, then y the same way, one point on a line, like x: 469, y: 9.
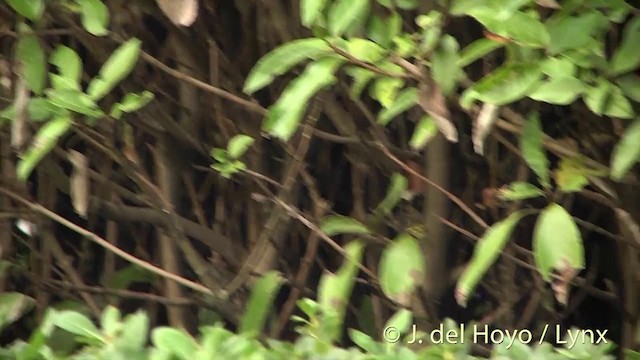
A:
x: 32, y: 58
x: 385, y: 90
x: 69, y: 66
x: 425, y: 130
x: 238, y: 145
x: 443, y: 64
x: 405, y: 100
x: 311, y: 10
x: 558, y: 67
x: 506, y: 84
x: 627, y: 56
x: 402, y: 267
x: 630, y: 86
x: 285, y: 115
x: 519, y: 191
x: 476, y: 51
x: 383, y: 31
x: 532, y: 150
x: 131, y: 102
x: 74, y: 100
x: 282, y: 59
x: 117, y: 67
x: 337, y: 224
x: 361, y: 77
x: 574, y: 32
x: 260, y: 302
x: 397, y: 187
x: 31, y: 9
x: 559, y: 91
x: 518, y: 26
x: 556, y: 241
x: 95, y: 16
x: 487, y: 251
x: 365, y: 50
x: 77, y: 324
x: 174, y: 341
x: 343, y: 13
x: 135, y: 331
x: 626, y: 152
x: 607, y: 99
x: 38, y: 109
x: 401, y: 4
x: 44, y: 141
x: 13, y: 306
x: 571, y: 175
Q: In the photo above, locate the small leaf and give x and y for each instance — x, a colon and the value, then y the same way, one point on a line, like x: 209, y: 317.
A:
x: 344, y: 13
x: 476, y: 51
x: 238, y: 145
x: 336, y: 224
x: 174, y: 342
x: 385, y: 90
x: 505, y: 85
x: 117, y: 67
x: 77, y: 324
x: 556, y: 241
x: 31, y: 9
x: 425, y: 130
x: 571, y: 175
x: 131, y: 102
x: 34, y: 64
x: 626, y: 152
x: 13, y: 306
x: 397, y: 187
x: 95, y: 16
x: 311, y: 10
x: 519, y: 191
x: 627, y: 56
x: 487, y: 251
x: 402, y: 267
x: 110, y: 321
x: 405, y: 100
x: 443, y: 64
x: 532, y: 150
x: 44, y: 141
x: 401, y: 321
x: 361, y: 78
x: 365, y: 50
x: 69, y: 66
x: 261, y: 299
x: 74, y: 100
x: 282, y: 59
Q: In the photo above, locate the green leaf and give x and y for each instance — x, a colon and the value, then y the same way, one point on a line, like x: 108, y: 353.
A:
x: 627, y: 56
x: 518, y: 26
x: 519, y: 191
x: 174, y: 341
x: 69, y: 66
x: 405, y: 100
x: 607, y: 99
x: 343, y: 13
x: 397, y: 187
x: 506, y: 84
x: 238, y: 145
x: 110, y: 321
x: 558, y: 67
x: 131, y: 102
x: 556, y: 241
x: 365, y: 50
x: 559, y: 91
x: 532, y: 150
x: 401, y: 4
x: 13, y: 306
x: 626, y: 152
x: 364, y: 341
x: 117, y: 67
x: 402, y: 267
x: 337, y: 224
x: 425, y: 130
x: 31, y: 9
x: 630, y: 86
x: 77, y: 324
x: 74, y: 100
x: 401, y: 321
x: 95, y: 16
x: 38, y: 109
x: 487, y: 251
x: 44, y: 141
x: 282, y: 59
x: 361, y: 77
x: 574, y: 32
x: 571, y: 175
x: 385, y: 90
x: 285, y: 115
x: 311, y: 11
x: 34, y: 63
x: 443, y: 64
x: 476, y: 51
x: 383, y: 31
x: 135, y: 331
x: 260, y: 302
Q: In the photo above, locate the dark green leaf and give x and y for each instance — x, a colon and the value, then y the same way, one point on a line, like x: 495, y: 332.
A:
x: 627, y: 152
x: 95, y: 17
x: 532, y: 150
x: 260, y: 302
x: 13, y: 306
x: 117, y: 67
x: 336, y: 224
x: 282, y: 59
x: 33, y: 60
x: 405, y: 100
x: 630, y: 86
x: 344, y: 13
x: 627, y: 56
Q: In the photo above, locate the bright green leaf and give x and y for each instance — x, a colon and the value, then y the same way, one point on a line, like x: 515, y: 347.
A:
x: 131, y: 102
x: 77, y: 324
x: 476, y: 50
x: 559, y: 91
x: 365, y: 50
x: 425, y: 130
x: 487, y: 251
x: 385, y: 90
x: 532, y: 150
x: 571, y: 175
x: 343, y: 13
x: 574, y: 32
x: 174, y: 341
x: 117, y: 67
x: 402, y: 267
x: 506, y: 84
x: 395, y: 191
x: 31, y: 9
x: 134, y: 331
x: 519, y: 191
x: 95, y: 16
x: 44, y: 141
x: 282, y: 59
x: 627, y: 56
x: 110, y: 321
x: 262, y: 295
x: 607, y: 99
x: 401, y: 4
x: 13, y: 306
x: 238, y: 145
x: 557, y: 241
x: 311, y: 10
x: 30, y: 54
x: 74, y: 100
x: 401, y: 321
x: 443, y: 64
x: 336, y: 224
x: 405, y: 100
x: 626, y: 152
x: 361, y: 77
x: 558, y: 67
x: 69, y: 66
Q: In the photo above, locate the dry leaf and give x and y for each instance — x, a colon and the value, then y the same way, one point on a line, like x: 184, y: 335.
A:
x: 180, y: 12
x: 79, y: 187
x: 483, y: 125
x: 434, y: 104
x: 560, y: 286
